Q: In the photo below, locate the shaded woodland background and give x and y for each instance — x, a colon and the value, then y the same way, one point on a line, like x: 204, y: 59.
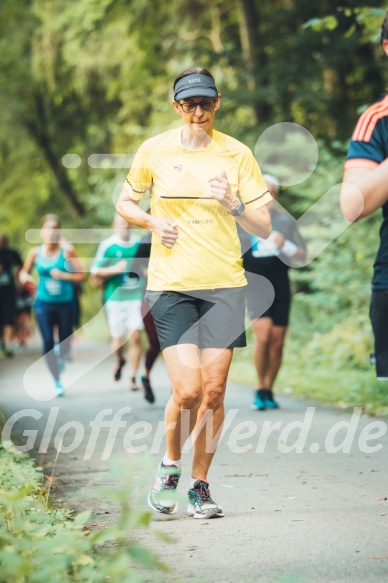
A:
x: 95, y: 76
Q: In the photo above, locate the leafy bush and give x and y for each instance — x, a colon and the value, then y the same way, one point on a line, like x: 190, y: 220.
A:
x: 330, y: 336
x: 347, y: 344
x: 39, y: 544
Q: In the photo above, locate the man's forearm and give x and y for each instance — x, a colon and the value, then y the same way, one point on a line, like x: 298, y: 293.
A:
x: 374, y: 188
x: 364, y: 191
x: 77, y: 277
x: 256, y: 222
x: 130, y: 210
x: 107, y: 272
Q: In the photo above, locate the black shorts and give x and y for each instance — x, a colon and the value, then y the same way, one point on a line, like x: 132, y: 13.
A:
x: 258, y: 296
x: 206, y: 318
x: 7, y: 305
x: 379, y: 318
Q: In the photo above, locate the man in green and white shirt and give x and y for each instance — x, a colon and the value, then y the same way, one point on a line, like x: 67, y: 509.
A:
x: 122, y: 295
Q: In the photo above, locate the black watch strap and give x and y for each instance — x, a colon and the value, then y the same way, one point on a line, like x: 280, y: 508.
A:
x: 239, y: 210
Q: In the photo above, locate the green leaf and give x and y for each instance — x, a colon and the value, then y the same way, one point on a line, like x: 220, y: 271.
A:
x: 315, y: 23
x: 145, y: 556
x: 164, y: 537
x: 83, y: 560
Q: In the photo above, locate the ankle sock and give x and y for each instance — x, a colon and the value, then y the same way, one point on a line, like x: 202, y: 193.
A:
x: 169, y: 462
x: 193, y: 480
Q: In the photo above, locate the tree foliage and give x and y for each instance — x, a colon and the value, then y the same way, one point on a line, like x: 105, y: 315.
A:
x: 95, y: 76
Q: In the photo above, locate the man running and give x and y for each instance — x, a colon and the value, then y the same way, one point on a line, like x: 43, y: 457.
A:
x: 202, y: 182
x: 366, y: 168
x: 122, y: 296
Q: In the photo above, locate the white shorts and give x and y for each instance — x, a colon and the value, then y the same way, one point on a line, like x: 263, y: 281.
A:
x: 123, y: 317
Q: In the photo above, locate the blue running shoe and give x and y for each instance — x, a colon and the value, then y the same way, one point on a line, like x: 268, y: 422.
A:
x: 269, y: 401
x: 59, y: 390
x: 259, y: 402
x: 201, y: 504
x: 162, y: 496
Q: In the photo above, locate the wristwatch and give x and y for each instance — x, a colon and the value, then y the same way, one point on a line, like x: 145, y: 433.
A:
x: 239, y: 210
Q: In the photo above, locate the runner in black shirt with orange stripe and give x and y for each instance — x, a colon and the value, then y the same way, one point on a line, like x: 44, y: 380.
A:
x: 366, y: 168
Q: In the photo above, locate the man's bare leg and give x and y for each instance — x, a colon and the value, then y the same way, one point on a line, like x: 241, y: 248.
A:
x: 262, y: 332
x: 135, y: 351
x: 198, y: 384
x: 275, y: 353
x: 184, y: 368
x: 118, y: 350
x: 215, y: 367
x: 7, y: 339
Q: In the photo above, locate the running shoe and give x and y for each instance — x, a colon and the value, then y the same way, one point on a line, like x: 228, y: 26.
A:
x: 59, y: 390
x: 118, y: 369
x: 270, y: 402
x: 133, y: 385
x: 201, y: 504
x: 259, y: 402
x: 148, y: 392
x: 162, y: 496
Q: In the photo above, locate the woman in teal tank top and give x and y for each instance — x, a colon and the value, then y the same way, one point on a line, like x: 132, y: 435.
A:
x: 58, y: 268
x: 51, y: 289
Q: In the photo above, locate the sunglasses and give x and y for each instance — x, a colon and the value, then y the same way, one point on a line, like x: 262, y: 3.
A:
x: 205, y: 105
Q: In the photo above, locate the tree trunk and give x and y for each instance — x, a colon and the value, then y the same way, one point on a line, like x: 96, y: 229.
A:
x: 38, y: 129
x: 255, y: 58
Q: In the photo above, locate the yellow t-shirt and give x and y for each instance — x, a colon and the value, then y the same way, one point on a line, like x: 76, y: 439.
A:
x: 207, y: 254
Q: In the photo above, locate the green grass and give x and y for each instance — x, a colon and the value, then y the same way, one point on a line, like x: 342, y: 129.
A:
x: 345, y: 387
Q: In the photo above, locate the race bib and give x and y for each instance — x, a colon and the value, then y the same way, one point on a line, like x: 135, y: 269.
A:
x: 53, y: 287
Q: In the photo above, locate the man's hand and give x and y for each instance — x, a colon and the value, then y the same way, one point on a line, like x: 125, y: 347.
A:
x: 166, y: 231
x: 25, y: 277
x: 220, y: 190
x: 95, y: 280
x: 120, y: 267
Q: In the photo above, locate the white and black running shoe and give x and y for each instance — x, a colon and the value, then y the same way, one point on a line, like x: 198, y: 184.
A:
x: 201, y: 504
x: 162, y: 496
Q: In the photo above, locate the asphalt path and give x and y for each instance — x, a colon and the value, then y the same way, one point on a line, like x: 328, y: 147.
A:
x: 304, y: 488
